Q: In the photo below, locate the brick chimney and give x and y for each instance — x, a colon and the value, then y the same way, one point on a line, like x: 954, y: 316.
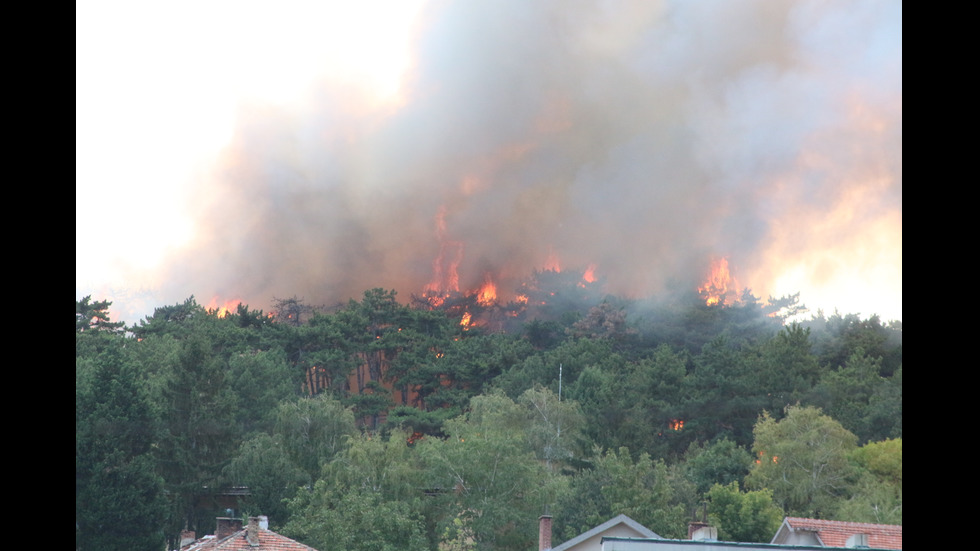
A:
x: 252, y: 532
x: 544, y: 533
x: 705, y: 533
x: 694, y: 526
x: 187, y: 537
x: 226, y: 527
x: 699, y: 529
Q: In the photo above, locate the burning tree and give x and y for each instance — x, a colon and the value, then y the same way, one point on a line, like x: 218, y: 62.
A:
x: 292, y: 311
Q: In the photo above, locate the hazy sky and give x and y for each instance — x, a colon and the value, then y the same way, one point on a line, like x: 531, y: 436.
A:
x: 251, y: 150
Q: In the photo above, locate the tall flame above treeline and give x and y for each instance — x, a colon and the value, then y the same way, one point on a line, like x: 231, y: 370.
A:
x: 720, y: 286
x: 633, y: 141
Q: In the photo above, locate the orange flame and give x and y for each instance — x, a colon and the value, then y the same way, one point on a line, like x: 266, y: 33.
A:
x: 487, y: 294
x: 445, y: 276
x: 762, y: 456
x: 589, y: 275
x: 719, y: 287
x: 552, y: 264
x: 223, y: 310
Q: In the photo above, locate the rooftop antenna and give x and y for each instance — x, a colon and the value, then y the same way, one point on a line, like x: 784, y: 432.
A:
x: 559, y: 382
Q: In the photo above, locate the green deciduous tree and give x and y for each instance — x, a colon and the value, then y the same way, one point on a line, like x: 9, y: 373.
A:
x: 553, y: 426
x: 487, y: 476
x: 743, y: 516
x: 263, y: 466
x: 877, y: 496
x: 356, y: 519
x: 883, y: 459
x: 313, y: 431
x: 369, y: 498
x: 641, y: 489
x: 803, y: 459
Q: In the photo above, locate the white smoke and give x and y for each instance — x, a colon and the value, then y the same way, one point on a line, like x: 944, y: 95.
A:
x: 643, y: 137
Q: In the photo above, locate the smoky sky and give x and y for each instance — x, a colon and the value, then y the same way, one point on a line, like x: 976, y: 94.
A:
x: 645, y: 138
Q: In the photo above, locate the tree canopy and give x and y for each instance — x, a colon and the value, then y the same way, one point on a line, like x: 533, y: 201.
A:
x: 382, y: 425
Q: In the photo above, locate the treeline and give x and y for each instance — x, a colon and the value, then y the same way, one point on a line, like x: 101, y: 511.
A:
x: 379, y: 425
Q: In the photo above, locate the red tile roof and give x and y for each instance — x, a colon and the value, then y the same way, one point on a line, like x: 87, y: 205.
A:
x: 834, y: 533
x: 268, y: 541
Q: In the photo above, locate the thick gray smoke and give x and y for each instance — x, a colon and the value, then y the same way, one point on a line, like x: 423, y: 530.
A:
x: 646, y: 138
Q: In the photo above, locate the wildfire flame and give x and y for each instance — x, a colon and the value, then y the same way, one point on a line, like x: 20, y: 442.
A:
x: 589, y: 275
x: 226, y: 308
x: 762, y: 457
x: 552, y: 264
x: 487, y: 294
x: 719, y: 287
x: 445, y: 275
x: 478, y: 305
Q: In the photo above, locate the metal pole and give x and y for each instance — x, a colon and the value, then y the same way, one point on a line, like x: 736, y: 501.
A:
x: 559, y: 382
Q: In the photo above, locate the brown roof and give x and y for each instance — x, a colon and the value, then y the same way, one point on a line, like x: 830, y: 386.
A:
x: 834, y: 533
x: 268, y: 541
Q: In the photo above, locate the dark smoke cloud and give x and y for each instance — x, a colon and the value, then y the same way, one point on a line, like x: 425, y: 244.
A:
x: 643, y: 137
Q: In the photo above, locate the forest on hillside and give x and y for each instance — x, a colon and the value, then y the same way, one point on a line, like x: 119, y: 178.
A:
x: 453, y: 423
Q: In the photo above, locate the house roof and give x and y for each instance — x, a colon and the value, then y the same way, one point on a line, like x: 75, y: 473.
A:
x: 267, y: 539
x: 621, y: 519
x: 833, y: 533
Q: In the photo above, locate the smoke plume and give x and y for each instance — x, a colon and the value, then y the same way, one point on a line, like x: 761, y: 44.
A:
x: 644, y: 138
